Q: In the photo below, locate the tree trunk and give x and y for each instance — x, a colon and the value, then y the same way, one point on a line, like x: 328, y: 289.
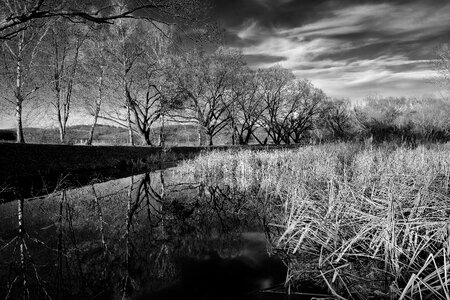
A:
x: 19, y: 138
x: 146, y: 135
x: 91, y: 132
x: 18, y: 92
x: 199, y: 133
x: 233, y: 132
x: 130, y: 128
x: 201, y: 139
x: 62, y: 133
x: 162, y: 138
x: 98, y: 104
x: 286, y: 138
x: 246, y: 140
x: 57, y: 88
x: 210, y: 139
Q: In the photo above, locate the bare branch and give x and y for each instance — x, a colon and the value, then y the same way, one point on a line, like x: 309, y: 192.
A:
x: 19, y: 21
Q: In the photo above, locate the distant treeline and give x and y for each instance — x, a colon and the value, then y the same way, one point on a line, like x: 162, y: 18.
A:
x: 402, y: 120
x: 407, y: 121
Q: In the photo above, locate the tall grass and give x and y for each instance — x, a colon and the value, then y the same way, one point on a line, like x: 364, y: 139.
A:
x: 365, y: 223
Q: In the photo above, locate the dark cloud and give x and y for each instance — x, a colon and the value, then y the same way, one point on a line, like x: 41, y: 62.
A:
x: 258, y: 59
x: 267, y: 12
x: 290, y: 12
x: 346, y: 44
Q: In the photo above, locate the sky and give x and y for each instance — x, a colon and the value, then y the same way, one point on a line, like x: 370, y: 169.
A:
x: 348, y: 48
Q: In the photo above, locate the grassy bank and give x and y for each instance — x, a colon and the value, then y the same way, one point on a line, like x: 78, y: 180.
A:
x: 365, y: 223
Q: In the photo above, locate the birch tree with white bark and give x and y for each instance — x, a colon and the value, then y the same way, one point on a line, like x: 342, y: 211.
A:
x: 21, y: 72
x: 66, y: 40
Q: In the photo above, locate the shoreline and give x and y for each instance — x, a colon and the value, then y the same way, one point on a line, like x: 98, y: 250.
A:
x: 25, y: 160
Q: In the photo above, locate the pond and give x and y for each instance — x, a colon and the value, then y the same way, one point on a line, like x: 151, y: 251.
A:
x: 154, y: 235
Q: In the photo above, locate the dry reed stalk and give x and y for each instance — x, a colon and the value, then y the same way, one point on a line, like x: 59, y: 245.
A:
x: 345, y: 206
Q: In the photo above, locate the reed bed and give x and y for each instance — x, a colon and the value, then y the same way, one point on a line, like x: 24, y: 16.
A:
x: 364, y: 223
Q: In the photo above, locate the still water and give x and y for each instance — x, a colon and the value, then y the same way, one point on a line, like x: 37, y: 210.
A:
x: 147, y: 236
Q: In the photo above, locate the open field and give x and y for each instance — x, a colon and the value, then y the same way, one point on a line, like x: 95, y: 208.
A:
x: 364, y: 223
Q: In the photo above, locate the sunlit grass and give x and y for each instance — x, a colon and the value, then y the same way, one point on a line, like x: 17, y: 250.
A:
x: 366, y: 222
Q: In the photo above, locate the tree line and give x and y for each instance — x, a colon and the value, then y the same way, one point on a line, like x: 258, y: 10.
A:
x: 143, y: 72
x: 137, y: 74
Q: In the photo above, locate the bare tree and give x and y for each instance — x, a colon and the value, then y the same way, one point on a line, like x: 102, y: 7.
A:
x: 291, y: 105
x: 125, y: 49
x: 18, y: 15
x: 94, y: 77
x: 20, y: 79
x: 148, y: 94
x: 336, y: 118
x: 204, y: 79
x: 247, y: 106
x: 19, y: 20
x: 136, y: 67
x: 273, y: 84
x: 303, y: 106
x: 146, y: 105
x: 97, y: 104
x: 66, y: 41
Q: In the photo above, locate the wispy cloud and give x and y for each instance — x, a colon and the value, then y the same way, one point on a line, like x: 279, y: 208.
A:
x: 411, y: 21
x: 250, y: 30
x: 364, y: 77
x: 357, y: 49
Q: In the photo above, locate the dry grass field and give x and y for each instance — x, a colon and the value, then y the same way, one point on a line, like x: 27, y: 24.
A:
x: 366, y: 223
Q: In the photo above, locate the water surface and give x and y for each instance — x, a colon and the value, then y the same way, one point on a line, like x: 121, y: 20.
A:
x: 146, y: 236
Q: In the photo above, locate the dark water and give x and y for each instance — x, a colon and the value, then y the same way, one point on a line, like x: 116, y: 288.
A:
x: 147, y: 236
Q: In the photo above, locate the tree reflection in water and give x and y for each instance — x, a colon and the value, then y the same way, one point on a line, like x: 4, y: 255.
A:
x: 143, y: 233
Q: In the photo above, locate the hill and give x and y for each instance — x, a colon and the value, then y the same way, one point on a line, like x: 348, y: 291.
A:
x: 176, y: 135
